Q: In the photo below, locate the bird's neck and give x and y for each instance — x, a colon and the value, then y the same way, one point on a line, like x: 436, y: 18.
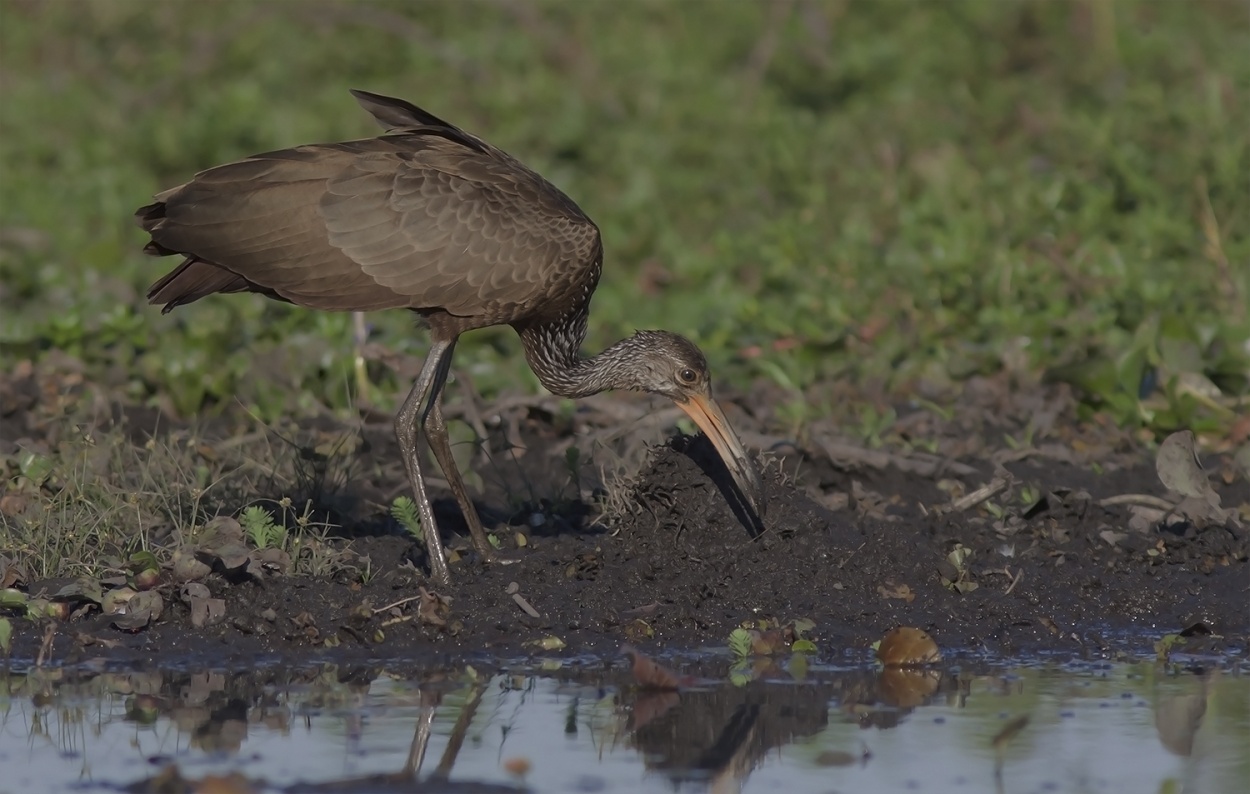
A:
x: 553, y: 352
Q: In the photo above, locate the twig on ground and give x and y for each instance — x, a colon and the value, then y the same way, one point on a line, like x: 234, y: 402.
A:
x: 1015, y: 581
x: 984, y: 493
x: 514, y: 591
x: 1143, y: 499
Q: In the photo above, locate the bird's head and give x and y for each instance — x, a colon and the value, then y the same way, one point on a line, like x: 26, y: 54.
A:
x: 668, y: 364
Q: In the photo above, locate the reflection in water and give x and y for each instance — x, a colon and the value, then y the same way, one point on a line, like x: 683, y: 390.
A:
x: 1090, y: 727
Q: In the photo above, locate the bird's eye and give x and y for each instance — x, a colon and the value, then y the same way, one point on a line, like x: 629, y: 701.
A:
x: 687, y: 375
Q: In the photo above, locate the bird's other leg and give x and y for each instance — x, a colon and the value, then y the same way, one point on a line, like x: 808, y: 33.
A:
x: 440, y: 445
x: 408, y: 421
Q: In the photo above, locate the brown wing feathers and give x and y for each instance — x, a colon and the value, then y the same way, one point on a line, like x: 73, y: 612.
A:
x: 425, y: 217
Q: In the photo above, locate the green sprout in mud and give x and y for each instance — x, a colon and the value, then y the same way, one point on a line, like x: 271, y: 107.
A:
x: 261, y: 529
x: 874, y: 425
x: 1025, y: 441
x: 404, y: 510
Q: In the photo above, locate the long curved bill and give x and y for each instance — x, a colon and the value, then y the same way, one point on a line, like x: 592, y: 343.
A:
x: 708, y: 416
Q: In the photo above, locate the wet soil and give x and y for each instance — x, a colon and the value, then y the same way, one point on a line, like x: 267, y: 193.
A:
x: 858, y: 537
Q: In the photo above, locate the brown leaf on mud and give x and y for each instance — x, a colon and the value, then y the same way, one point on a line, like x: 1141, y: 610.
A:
x: 892, y: 590
x: 907, y: 688
x: 1180, y: 470
x: 207, y: 611
x: 220, y: 531
x: 434, y: 608
x: 650, y: 674
x: 904, y: 646
x: 11, y: 574
x: 193, y: 590
x: 83, y: 589
x: 272, y: 559
x: 142, y: 609
x: 233, y: 556
x: 114, y: 601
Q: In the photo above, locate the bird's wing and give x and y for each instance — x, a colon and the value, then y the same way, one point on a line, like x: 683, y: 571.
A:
x: 413, y: 220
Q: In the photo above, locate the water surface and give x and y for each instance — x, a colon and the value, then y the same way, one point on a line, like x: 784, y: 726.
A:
x: 1087, y: 727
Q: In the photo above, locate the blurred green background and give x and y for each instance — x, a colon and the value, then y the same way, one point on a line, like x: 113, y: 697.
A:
x: 893, y: 194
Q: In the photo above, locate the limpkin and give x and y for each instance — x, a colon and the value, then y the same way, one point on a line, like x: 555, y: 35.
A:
x: 430, y: 218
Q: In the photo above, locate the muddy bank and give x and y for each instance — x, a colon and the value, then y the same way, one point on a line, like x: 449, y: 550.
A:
x: 1060, y: 555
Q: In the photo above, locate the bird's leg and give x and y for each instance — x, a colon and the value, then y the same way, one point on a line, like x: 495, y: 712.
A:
x: 440, y: 445
x: 412, y: 415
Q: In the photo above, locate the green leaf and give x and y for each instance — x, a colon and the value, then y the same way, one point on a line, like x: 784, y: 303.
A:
x: 740, y: 643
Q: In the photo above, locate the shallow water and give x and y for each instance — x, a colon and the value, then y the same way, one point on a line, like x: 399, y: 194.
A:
x: 1091, y: 727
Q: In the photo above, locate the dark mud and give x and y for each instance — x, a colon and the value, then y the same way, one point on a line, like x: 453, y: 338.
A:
x: 858, y: 539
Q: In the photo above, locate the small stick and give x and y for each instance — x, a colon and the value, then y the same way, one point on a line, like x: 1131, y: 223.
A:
x: 996, y: 486
x: 1142, y: 499
x: 398, y: 603
x: 514, y: 591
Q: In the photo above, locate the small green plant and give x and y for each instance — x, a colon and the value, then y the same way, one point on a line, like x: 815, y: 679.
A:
x: 801, y: 643
x: 404, y: 510
x: 740, y: 643
x: 1025, y: 441
x: 259, y: 525
x: 1165, y: 644
x: 874, y: 424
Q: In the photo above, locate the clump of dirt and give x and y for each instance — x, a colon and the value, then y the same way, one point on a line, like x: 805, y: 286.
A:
x: 984, y: 545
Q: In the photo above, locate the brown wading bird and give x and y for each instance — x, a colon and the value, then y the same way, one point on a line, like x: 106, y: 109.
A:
x: 429, y: 218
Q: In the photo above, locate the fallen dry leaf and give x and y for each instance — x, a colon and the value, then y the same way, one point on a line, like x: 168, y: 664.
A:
x: 1180, y: 470
x: 11, y: 574
x: 207, y: 611
x: 434, y: 608
x: 905, y: 646
x: 142, y: 609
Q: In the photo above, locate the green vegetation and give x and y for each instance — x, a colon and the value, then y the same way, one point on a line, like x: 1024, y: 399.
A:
x: 871, y: 193
x: 404, y: 510
x: 866, y: 191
